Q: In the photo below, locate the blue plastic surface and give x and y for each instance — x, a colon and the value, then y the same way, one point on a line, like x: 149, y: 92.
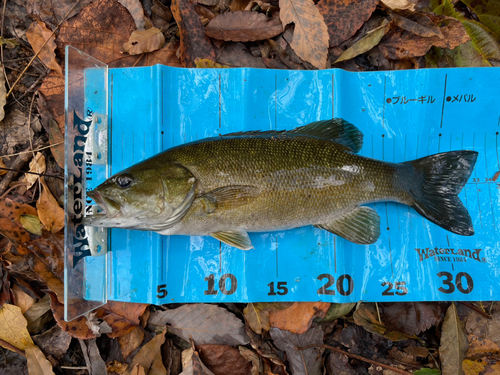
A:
x: 404, y: 115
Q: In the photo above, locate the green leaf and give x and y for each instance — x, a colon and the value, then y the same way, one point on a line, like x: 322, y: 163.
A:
x: 31, y: 223
x: 364, y: 44
x: 337, y: 310
x: 427, y: 371
x: 488, y: 12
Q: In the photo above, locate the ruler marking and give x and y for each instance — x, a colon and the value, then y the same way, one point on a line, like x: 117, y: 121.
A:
x: 383, y: 110
x: 492, y: 211
x: 335, y: 252
x: 276, y: 237
x: 448, y: 241
x: 479, y: 207
x: 220, y: 102
x: 473, y: 149
x: 390, y: 255
x: 333, y: 93
x: 220, y: 257
x: 386, y: 216
x: 485, y: 158
x: 439, y: 143
x: 444, y: 98
x: 275, y: 101
x: 383, y: 147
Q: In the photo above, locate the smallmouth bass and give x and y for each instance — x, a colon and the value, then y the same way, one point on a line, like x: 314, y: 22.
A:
x: 243, y: 182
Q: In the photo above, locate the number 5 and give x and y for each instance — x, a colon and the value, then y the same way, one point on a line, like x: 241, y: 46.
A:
x: 162, y: 291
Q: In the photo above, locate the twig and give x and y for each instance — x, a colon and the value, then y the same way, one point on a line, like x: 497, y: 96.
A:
x: 378, y: 313
x: 14, y: 186
x: 29, y: 172
x: 29, y: 151
x: 34, y: 85
x: 358, y: 357
x: 137, y: 62
x: 16, y: 165
x: 43, y: 45
x: 476, y: 309
x: 6, y: 345
x: 74, y: 368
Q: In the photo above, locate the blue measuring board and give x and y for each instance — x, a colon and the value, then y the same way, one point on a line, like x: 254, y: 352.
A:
x: 403, y: 115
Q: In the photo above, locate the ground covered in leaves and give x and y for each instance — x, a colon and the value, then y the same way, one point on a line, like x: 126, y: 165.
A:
x: 258, y: 338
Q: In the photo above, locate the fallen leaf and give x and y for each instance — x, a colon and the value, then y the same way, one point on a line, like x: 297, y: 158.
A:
x: 53, y: 12
x: 480, y: 368
x: 417, y: 351
x: 411, y: 318
x: 336, y: 310
x: 238, y: 5
x: 243, y: 26
x: 37, y: 165
x: 76, y: 328
x: 138, y: 370
x: 207, y: 324
x: 194, y: 43
x: 13, y: 327
x: 136, y: 11
x: 22, y: 300
x: 302, y: 362
x: 37, y: 35
x: 310, y: 37
x: 92, y: 357
x: 144, y: 41
x: 37, y: 315
x: 222, y: 360
x: 366, y: 316
x: 481, y: 326
x: 116, y: 367
x: 31, y: 223
x: 453, y: 345
x: 237, y: 55
x: 52, y: 89
x: 398, y: 4
x: 37, y: 363
x: 298, y: 317
x: 147, y: 354
x: 427, y: 371
x: 338, y: 363
x: 366, y: 43
x: 50, y: 213
x: 130, y: 342
x: 99, y: 30
x: 481, y: 347
x: 3, y: 94
x: 401, y: 44
x: 344, y: 18
x: 417, y: 23
x: 192, y: 364
x: 161, y: 15
x: 55, y: 341
x: 2, y: 164
x: 257, y: 314
x: 488, y: 12
x: 165, y: 56
x: 56, y: 137
x: 122, y: 317
x: 258, y: 365
x: 209, y: 64
x: 9, y: 42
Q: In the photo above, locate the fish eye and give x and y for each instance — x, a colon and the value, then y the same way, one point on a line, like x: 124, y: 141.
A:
x: 124, y: 181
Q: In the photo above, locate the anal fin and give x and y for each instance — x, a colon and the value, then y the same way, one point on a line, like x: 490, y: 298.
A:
x: 236, y: 238
x: 361, y: 226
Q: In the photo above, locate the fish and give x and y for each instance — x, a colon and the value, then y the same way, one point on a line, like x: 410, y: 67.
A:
x: 262, y: 181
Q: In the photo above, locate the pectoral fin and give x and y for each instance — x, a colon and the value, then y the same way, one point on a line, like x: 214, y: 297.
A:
x: 236, y: 238
x: 228, y: 197
x: 361, y: 226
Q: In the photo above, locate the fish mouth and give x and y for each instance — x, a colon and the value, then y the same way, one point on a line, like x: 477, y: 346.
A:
x: 110, y: 207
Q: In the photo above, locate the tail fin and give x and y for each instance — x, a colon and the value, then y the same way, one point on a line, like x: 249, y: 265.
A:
x: 437, y: 180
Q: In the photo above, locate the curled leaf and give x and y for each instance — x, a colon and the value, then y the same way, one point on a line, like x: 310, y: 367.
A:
x: 37, y: 34
x: 243, y: 26
x: 31, y: 223
x: 144, y: 41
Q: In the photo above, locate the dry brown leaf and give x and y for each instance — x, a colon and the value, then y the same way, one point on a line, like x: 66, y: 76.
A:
x: 116, y: 367
x: 146, y: 356
x: 13, y: 327
x: 55, y: 341
x: 298, y: 317
x: 192, y: 364
x: 144, y: 41
x: 238, y: 5
x: 480, y: 368
x: 243, y: 26
x: 223, y: 359
x: 237, y: 55
x: 417, y: 23
x: 136, y: 11
x: 481, y: 347
x: 411, y: 318
x: 37, y: 34
x: 366, y: 316
x: 453, y: 345
x: 37, y: 165
x: 344, y: 18
x: 76, y: 328
x: 161, y: 15
x: 130, y: 342
x: 2, y: 165
x: 122, y: 317
x: 22, y: 300
x: 52, y: 89
x: 56, y: 138
x: 398, y: 4
x: 166, y: 56
x: 194, y: 43
x: 50, y: 213
x: 37, y: 363
x: 310, y: 37
x: 401, y: 44
x: 209, y: 64
x: 3, y: 93
x: 257, y: 314
x: 99, y: 30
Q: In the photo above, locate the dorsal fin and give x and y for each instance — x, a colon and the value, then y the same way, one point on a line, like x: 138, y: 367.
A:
x: 337, y: 130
